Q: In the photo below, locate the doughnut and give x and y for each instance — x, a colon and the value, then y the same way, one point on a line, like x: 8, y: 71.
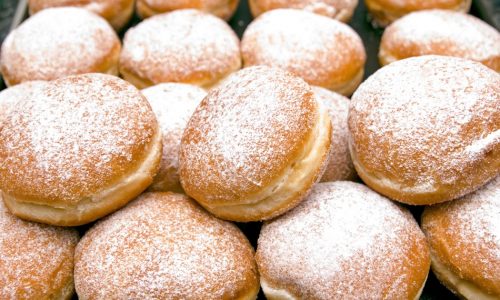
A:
x: 36, y: 260
x: 58, y: 42
x: 82, y: 148
x: 426, y: 129
x: 187, y: 46
x: 116, y: 12
x: 173, y: 105
x: 165, y: 246
x: 441, y: 32
x: 11, y: 96
x: 255, y: 145
x: 465, y: 244
x: 343, y: 240
x: 340, y: 165
x: 384, y: 12
x: 323, y: 51
x: 223, y: 9
x: 341, y: 10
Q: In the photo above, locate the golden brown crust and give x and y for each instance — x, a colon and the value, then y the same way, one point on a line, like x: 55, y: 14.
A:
x: 344, y: 239
x: 79, y: 138
x: 36, y: 260
x: 324, y: 52
x: 165, y: 246
x: 441, y: 32
x: 341, y: 10
x: 427, y: 129
x: 43, y: 49
x: 246, y: 134
x: 186, y: 46
x: 223, y: 9
x: 116, y: 12
x: 463, y: 238
x: 385, y: 12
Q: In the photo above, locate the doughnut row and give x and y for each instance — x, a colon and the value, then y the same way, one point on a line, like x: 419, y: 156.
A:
x: 124, y: 165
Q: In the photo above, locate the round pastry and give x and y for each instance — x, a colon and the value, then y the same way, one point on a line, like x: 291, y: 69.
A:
x: 384, y: 12
x: 340, y: 165
x: 441, y: 32
x: 116, y: 12
x: 165, y: 246
x: 255, y: 145
x: 58, y: 42
x: 426, y: 129
x: 323, y: 51
x: 36, y: 260
x: 341, y: 10
x: 173, y: 105
x: 11, y: 96
x: 344, y: 239
x: 465, y: 242
x: 187, y: 46
x: 223, y: 9
x: 82, y: 148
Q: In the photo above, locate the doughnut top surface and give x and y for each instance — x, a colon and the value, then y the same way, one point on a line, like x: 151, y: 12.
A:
x: 79, y: 135
x: 245, y: 133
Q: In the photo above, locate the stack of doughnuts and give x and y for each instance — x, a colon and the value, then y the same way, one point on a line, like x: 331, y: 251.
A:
x: 258, y: 132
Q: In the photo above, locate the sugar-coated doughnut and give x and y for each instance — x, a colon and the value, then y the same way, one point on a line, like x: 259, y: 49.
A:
x: 323, y: 51
x: 341, y: 10
x: 187, y: 46
x: 426, y: 129
x: 36, y: 260
x: 10, y: 97
x: 441, y: 32
x: 165, y: 246
x: 340, y: 165
x: 384, y: 12
x: 116, y: 12
x: 255, y: 145
x: 82, y: 148
x: 343, y: 241
x: 465, y: 242
x: 58, y: 42
x: 223, y: 9
x: 173, y: 105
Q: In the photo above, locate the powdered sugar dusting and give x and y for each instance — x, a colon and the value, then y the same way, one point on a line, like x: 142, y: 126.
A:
x: 314, y: 47
x: 476, y: 220
x: 244, y: 133
x: 340, y: 165
x: 57, y: 42
x: 182, y: 46
x: 13, y: 96
x: 173, y: 105
x: 75, y: 137
x: 423, y: 118
x: 329, y: 8
x: 164, y: 246
x: 344, y: 240
x: 35, y: 258
x: 443, y: 32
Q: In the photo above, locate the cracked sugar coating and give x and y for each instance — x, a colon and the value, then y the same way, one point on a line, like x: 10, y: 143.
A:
x: 465, y: 235
x: 36, y: 260
x: 173, y: 105
x: 344, y: 239
x: 245, y: 133
x: 427, y: 129
x: 442, y: 32
x: 323, y: 51
x: 78, y: 136
x: 165, y: 246
x: 58, y: 42
x: 340, y: 165
x: 186, y: 45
